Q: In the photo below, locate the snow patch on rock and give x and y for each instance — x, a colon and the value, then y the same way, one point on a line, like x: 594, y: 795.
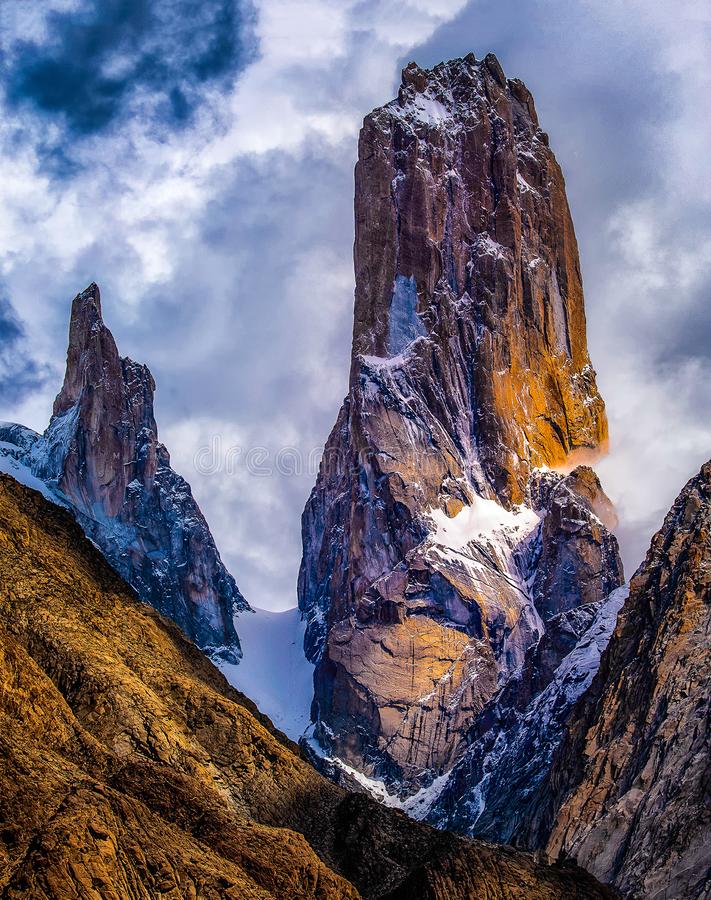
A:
x: 481, y: 521
x: 417, y: 806
x: 12, y: 464
x: 405, y: 324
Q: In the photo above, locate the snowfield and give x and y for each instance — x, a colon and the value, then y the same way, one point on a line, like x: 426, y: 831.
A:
x: 274, y: 671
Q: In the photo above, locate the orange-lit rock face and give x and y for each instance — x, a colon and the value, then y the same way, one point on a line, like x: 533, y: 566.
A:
x: 469, y: 370
x: 464, y: 237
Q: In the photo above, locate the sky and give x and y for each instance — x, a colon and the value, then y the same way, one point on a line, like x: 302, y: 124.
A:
x: 195, y: 159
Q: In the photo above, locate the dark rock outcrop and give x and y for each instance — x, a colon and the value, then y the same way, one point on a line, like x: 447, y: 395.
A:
x: 498, y: 790
x: 101, y: 456
x: 578, y: 557
x: 437, y: 542
x: 630, y: 788
x: 129, y: 768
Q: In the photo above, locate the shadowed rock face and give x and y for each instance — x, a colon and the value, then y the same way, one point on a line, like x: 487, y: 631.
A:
x: 630, y: 794
x: 498, y: 789
x: 435, y: 548
x: 130, y: 769
x: 577, y: 561
x: 102, y: 456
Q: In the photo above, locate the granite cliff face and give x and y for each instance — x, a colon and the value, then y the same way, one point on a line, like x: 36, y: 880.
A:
x: 467, y: 270
x: 101, y: 456
x: 438, y: 544
x: 630, y: 788
x: 130, y: 769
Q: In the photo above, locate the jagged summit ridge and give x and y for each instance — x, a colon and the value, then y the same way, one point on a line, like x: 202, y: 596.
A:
x: 463, y: 233
x: 438, y: 541
x: 101, y: 456
x: 90, y: 345
x: 447, y: 96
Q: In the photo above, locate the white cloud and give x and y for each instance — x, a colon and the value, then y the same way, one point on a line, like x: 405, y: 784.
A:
x: 406, y: 23
x: 309, y: 33
x: 224, y: 249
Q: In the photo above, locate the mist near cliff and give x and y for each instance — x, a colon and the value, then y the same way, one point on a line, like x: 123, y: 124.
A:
x: 203, y: 175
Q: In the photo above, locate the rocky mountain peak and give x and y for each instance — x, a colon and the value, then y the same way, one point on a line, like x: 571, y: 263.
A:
x: 440, y: 541
x: 101, y: 457
x: 455, y: 83
x: 467, y: 264
x: 109, y: 401
x: 91, y: 348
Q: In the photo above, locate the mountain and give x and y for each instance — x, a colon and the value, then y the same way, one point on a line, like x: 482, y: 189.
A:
x: 630, y: 788
x: 101, y: 457
x: 129, y: 768
x: 449, y: 530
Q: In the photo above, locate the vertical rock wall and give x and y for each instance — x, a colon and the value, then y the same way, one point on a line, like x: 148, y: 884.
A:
x: 469, y: 373
x: 630, y: 789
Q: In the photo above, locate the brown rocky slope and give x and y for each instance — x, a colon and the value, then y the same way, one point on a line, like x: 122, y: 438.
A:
x: 630, y: 791
x: 130, y: 769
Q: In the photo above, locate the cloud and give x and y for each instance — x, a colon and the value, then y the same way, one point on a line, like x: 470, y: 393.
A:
x: 224, y: 253
x: 223, y: 241
x: 20, y: 374
x: 100, y: 60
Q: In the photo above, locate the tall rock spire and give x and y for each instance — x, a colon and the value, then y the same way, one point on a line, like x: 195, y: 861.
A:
x: 107, y: 402
x: 466, y: 261
x: 420, y: 578
x: 91, y: 349
x: 101, y: 453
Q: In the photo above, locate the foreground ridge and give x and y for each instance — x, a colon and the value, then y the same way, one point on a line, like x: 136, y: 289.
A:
x: 129, y: 768
x: 631, y: 786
